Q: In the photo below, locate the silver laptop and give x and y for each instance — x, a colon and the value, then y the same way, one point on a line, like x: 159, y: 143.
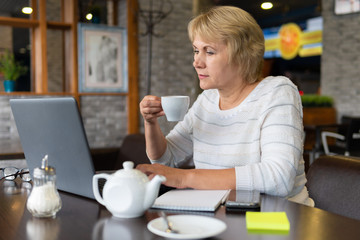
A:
x: 53, y: 127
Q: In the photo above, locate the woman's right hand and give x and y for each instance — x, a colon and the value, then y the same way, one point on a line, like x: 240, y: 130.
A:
x: 150, y: 108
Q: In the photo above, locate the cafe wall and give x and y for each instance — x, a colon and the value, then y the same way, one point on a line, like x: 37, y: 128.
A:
x: 340, y: 61
x: 105, y: 117
x: 172, y: 71
x: 55, y: 49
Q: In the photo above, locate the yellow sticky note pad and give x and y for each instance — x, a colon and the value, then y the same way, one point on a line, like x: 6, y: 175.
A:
x: 267, y: 221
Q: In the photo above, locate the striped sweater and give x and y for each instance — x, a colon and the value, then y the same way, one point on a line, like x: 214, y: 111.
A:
x: 262, y: 138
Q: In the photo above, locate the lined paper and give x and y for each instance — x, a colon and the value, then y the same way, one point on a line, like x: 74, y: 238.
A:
x: 191, y: 200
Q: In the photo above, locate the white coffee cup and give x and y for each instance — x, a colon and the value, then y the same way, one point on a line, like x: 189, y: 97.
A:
x: 175, y: 107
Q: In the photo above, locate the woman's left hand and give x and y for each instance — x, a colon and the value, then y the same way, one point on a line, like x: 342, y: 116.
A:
x: 174, y: 176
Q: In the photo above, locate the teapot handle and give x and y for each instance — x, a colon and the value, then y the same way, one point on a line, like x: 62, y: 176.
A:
x: 96, y: 187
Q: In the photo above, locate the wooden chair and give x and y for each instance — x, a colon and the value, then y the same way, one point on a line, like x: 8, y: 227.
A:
x: 334, y: 184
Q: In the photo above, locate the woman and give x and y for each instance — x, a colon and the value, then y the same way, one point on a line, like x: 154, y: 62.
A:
x: 243, y: 132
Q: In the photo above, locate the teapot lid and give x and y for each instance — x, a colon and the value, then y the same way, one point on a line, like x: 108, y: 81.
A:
x: 130, y: 172
x: 128, y: 165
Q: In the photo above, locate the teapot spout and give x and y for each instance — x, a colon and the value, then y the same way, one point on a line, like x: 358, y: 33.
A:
x: 152, y: 190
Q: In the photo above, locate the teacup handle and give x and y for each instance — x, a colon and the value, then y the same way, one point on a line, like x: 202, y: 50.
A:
x: 96, y: 187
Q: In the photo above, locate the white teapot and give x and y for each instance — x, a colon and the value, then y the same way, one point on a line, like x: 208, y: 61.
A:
x: 127, y: 193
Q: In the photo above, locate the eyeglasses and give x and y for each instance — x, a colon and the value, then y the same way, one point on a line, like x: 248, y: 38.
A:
x: 10, y: 173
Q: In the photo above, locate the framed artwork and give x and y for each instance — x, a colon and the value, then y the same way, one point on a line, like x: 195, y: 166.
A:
x: 102, y: 58
x: 346, y: 6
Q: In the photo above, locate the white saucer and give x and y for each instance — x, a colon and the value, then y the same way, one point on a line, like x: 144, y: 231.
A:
x: 189, y: 227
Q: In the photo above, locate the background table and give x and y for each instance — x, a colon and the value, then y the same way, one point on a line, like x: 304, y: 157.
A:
x: 82, y: 218
x: 11, y: 149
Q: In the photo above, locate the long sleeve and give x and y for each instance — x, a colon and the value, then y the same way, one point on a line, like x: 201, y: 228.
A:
x: 281, y: 144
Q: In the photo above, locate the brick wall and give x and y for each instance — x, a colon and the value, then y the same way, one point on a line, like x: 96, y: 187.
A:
x: 105, y: 120
x: 340, y: 61
x: 105, y: 117
x: 54, y: 48
x: 8, y: 130
x: 55, y: 66
x: 172, y: 71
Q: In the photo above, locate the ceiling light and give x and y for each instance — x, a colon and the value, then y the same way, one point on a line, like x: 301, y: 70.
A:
x: 89, y: 16
x: 27, y: 10
x: 266, y: 5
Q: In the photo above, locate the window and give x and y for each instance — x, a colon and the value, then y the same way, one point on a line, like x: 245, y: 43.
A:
x: 38, y: 40
x: 46, y: 40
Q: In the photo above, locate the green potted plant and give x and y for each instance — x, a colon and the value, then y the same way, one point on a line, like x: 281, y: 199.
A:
x: 318, y: 109
x: 11, y: 69
x: 313, y: 100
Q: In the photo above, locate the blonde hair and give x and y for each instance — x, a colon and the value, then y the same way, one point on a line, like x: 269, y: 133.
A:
x: 241, y: 34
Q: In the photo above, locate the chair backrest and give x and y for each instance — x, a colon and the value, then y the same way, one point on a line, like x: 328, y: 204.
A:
x: 132, y: 149
x: 353, y: 133
x: 334, y: 185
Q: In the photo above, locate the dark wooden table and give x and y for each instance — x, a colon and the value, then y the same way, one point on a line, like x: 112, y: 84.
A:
x: 82, y: 218
x: 11, y: 149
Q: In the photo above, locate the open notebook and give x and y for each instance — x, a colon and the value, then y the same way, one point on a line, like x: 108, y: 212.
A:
x: 191, y: 200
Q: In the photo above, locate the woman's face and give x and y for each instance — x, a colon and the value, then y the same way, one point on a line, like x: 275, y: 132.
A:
x: 211, y: 64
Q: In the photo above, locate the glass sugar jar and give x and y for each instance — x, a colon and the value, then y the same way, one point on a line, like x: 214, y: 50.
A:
x: 44, y: 199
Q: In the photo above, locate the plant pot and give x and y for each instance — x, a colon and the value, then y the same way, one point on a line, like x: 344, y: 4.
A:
x: 313, y: 117
x: 9, y: 85
x: 319, y: 115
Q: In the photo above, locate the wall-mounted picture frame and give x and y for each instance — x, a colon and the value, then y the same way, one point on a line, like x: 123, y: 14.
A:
x: 346, y: 6
x: 102, y: 58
